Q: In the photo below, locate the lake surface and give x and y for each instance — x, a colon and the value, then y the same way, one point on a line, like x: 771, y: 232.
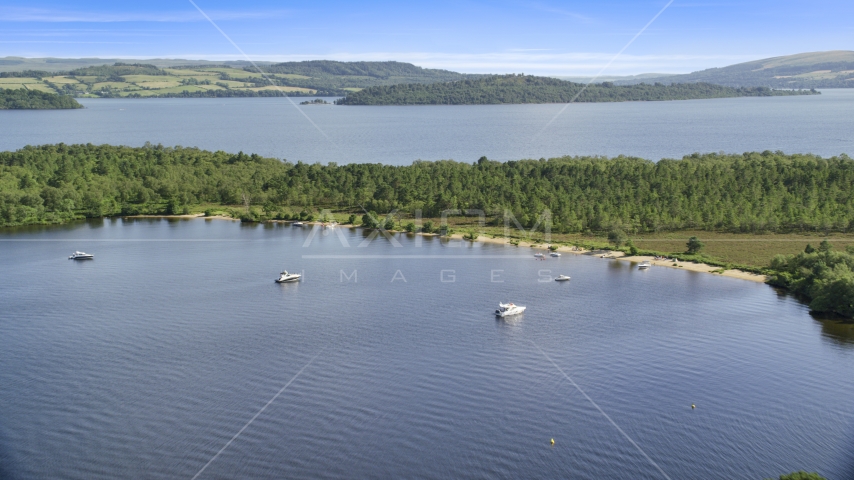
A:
x: 819, y: 124
x: 147, y: 360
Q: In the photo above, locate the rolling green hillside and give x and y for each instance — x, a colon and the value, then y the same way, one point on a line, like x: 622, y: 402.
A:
x: 323, y: 78
x: 834, y: 69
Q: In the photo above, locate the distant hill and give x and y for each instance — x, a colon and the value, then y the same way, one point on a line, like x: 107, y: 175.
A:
x: 48, y: 64
x: 328, y: 74
x: 318, y: 77
x: 834, y: 69
x: 498, y: 89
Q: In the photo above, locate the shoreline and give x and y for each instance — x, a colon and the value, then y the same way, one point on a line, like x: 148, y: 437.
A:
x: 607, y: 254
x: 614, y: 255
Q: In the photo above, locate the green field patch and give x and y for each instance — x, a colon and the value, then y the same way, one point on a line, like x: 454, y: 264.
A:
x: 281, y: 89
x: 87, y: 78
x: 201, y: 78
x: 158, y: 85
x: 100, y: 85
x: 179, y: 89
x: 144, y: 78
x: 351, y: 89
x: 18, y: 81
x: 185, y: 72
x: 210, y: 87
x: 40, y: 87
x: 235, y: 83
x: 12, y: 86
x: 233, y: 72
x: 61, y: 80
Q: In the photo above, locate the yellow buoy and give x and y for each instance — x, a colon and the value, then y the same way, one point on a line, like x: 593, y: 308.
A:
x: 693, y: 406
x: 553, y: 441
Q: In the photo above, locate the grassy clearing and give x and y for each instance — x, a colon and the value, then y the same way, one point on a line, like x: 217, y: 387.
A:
x: 281, y: 89
x: 61, y: 80
x: 755, y: 250
x: 234, y: 72
x: 18, y: 81
x: 235, y: 83
x: 181, y: 72
x: 166, y: 84
x: 41, y: 87
x: 145, y: 78
x: 118, y: 85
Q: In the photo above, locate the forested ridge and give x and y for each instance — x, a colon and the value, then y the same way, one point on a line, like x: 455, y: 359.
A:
x: 750, y: 192
x: 500, y: 89
x: 23, y: 99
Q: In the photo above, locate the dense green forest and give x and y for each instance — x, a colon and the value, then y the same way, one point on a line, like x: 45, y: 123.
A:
x: 21, y: 98
x: 497, y: 89
x: 751, y: 192
x: 822, y: 275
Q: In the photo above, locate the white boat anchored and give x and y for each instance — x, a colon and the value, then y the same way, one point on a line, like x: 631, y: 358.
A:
x: 538, y: 255
x: 554, y: 254
x: 298, y: 224
x: 286, y: 277
x: 507, y: 309
x: 81, y: 256
x: 644, y: 265
x: 562, y: 278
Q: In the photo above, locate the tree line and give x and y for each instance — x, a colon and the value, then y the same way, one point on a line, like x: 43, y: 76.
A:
x: 750, y: 192
x: 499, y: 89
x: 23, y: 99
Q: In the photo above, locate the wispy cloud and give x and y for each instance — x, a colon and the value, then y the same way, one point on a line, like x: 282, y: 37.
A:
x: 23, y: 14
x: 558, y: 11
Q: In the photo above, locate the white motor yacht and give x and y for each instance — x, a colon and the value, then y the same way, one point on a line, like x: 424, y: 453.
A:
x: 554, y: 254
x: 81, y: 256
x: 562, y: 278
x: 507, y: 309
x: 644, y: 265
x: 298, y: 224
x: 538, y: 255
x: 286, y: 277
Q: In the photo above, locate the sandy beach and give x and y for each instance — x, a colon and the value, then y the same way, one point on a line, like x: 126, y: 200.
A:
x: 612, y: 255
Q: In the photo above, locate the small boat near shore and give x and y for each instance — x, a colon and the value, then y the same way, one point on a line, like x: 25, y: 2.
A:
x: 562, y: 278
x: 554, y: 254
x: 507, y: 309
x: 539, y: 255
x: 297, y: 224
x: 286, y: 277
x: 81, y: 256
x: 644, y: 265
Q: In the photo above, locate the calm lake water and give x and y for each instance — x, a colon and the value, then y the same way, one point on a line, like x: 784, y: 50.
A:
x: 147, y: 360
x: 820, y: 124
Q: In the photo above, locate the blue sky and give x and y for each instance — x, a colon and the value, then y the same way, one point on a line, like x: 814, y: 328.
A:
x: 538, y: 37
